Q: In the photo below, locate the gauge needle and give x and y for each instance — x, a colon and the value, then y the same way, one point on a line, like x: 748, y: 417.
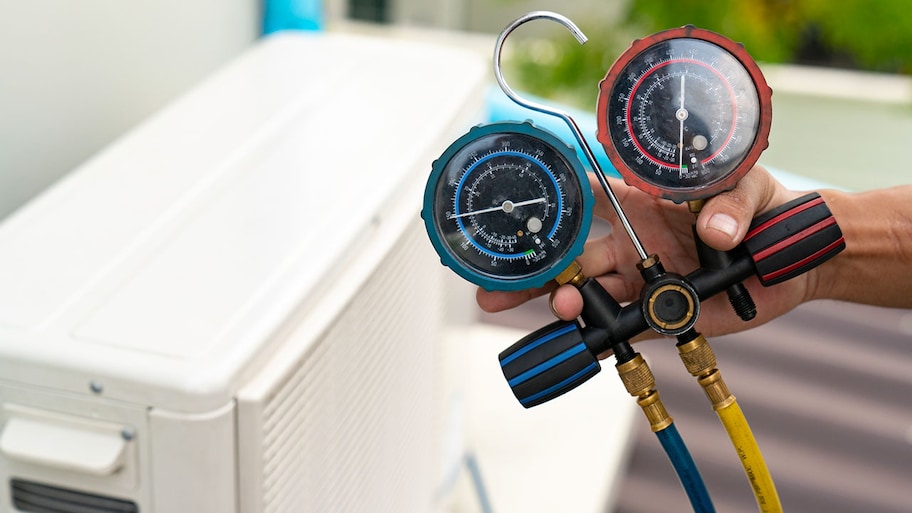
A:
x: 681, y: 114
x: 506, y: 206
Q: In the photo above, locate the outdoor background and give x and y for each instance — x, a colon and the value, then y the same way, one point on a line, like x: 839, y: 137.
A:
x: 76, y: 75
x: 844, y: 116
x: 837, y: 431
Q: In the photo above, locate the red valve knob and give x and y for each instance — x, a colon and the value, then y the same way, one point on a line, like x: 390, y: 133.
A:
x: 793, y: 239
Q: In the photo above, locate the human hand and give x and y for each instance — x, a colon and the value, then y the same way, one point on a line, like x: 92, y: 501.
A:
x: 666, y: 229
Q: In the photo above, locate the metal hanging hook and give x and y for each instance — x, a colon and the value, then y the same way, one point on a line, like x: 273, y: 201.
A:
x: 498, y: 50
x: 538, y: 107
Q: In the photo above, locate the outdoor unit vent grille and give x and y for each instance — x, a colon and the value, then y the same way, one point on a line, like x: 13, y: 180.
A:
x: 38, y: 498
x: 351, y: 429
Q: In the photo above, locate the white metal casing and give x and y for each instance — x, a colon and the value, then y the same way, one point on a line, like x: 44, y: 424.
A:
x: 236, y: 300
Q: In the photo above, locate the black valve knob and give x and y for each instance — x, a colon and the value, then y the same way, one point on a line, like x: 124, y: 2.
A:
x: 549, y: 362
x: 793, y: 239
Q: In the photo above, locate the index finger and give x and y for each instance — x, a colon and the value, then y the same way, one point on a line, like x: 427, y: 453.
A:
x: 493, y: 301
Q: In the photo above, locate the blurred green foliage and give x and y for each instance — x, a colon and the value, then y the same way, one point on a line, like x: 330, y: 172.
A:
x: 874, y: 35
x: 865, y: 34
x: 556, y: 66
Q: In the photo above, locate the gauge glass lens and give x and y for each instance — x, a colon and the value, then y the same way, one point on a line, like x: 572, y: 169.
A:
x: 682, y: 114
x: 508, y: 206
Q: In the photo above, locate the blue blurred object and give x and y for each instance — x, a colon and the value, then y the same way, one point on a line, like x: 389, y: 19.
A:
x: 502, y: 108
x: 292, y: 15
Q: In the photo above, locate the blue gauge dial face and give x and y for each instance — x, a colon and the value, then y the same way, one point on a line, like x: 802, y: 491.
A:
x: 506, y: 209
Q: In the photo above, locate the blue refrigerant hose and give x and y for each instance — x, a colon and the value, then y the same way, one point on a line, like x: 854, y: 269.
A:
x: 640, y: 383
x: 686, y: 469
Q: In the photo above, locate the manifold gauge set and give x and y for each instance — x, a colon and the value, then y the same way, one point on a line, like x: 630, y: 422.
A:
x: 682, y: 115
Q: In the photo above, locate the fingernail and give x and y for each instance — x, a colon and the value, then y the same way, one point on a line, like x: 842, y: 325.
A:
x: 724, y: 223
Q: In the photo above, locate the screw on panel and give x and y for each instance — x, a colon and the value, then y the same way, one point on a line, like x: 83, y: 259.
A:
x: 96, y: 387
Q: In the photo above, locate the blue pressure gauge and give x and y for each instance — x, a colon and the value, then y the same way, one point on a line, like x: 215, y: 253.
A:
x: 508, y: 206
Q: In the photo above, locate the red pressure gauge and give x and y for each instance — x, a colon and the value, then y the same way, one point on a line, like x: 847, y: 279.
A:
x: 684, y: 114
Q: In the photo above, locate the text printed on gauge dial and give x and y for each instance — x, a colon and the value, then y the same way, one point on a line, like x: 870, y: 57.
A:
x: 682, y: 113
x: 505, y: 206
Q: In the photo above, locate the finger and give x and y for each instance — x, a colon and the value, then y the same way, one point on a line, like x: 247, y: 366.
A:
x: 620, y: 287
x: 599, y: 256
x: 725, y: 218
x: 498, y: 300
x: 603, y: 207
x: 567, y: 302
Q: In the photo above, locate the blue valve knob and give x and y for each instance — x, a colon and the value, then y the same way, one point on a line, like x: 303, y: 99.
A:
x: 549, y: 362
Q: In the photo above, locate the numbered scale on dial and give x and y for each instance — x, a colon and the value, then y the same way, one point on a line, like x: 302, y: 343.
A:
x: 684, y: 114
x: 508, y: 206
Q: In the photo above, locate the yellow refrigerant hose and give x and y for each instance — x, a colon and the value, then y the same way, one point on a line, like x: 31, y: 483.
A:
x: 751, y: 459
x: 700, y: 361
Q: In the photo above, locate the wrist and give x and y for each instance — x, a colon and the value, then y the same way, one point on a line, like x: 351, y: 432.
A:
x: 874, y: 267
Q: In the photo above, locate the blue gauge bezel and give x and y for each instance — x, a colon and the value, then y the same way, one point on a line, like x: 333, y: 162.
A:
x: 491, y: 282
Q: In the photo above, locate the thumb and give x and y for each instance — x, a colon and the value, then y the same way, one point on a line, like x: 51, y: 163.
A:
x: 725, y: 218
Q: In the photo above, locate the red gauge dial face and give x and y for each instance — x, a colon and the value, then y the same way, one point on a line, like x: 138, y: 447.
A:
x: 684, y: 114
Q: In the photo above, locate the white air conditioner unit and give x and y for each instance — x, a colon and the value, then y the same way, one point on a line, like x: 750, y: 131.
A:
x: 235, y: 308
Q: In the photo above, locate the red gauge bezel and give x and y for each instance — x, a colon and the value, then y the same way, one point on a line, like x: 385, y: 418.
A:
x: 761, y: 139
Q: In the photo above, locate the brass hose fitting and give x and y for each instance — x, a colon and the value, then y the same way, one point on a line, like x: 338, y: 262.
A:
x: 716, y: 390
x: 636, y: 375
x: 572, y: 275
x: 640, y: 383
x: 696, y: 206
x: 698, y: 356
x: 700, y: 362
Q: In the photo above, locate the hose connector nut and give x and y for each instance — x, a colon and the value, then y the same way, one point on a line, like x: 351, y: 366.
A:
x: 698, y: 356
x: 636, y: 376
